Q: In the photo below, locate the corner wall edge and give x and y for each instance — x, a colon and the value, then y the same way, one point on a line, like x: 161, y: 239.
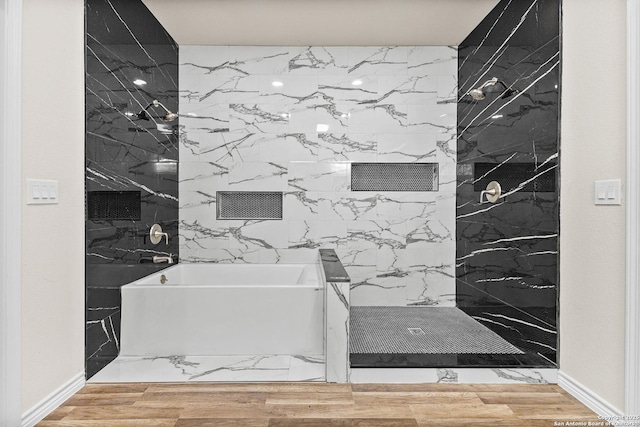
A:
x: 632, y: 325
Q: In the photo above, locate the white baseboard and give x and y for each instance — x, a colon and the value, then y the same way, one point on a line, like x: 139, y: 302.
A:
x: 47, y: 405
x: 588, y: 397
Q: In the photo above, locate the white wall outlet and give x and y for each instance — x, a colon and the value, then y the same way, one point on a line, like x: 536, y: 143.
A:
x: 42, y: 192
x: 608, y: 192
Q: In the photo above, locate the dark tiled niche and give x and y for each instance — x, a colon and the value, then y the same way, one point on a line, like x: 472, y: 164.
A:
x: 394, y: 177
x: 131, y: 163
x: 114, y: 205
x: 259, y: 205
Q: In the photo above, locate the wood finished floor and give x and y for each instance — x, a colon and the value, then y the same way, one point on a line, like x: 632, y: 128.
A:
x: 319, y: 404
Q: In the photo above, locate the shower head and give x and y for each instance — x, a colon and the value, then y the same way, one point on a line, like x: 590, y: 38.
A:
x: 478, y: 94
x: 169, y: 117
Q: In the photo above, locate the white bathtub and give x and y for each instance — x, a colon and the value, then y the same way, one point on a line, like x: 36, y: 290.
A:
x: 224, y: 309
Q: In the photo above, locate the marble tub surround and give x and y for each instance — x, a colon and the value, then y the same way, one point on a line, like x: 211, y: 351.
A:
x: 222, y: 322
x: 337, y: 314
x: 507, y: 252
x: 224, y: 309
x: 256, y: 368
x: 127, y: 66
x: 293, y: 119
x: 103, y: 315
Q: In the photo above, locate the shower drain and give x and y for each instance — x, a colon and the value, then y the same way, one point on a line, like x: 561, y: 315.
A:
x: 416, y: 331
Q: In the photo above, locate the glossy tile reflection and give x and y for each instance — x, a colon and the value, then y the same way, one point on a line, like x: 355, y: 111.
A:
x: 128, y: 66
x: 293, y: 119
x: 507, y: 252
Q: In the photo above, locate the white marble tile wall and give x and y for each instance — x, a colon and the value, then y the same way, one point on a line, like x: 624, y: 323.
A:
x: 292, y: 119
x: 337, y: 332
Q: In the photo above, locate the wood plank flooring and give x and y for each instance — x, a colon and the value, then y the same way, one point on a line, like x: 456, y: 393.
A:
x: 317, y: 404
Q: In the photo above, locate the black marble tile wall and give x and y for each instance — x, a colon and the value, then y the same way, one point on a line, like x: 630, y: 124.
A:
x: 507, y: 252
x: 130, y: 61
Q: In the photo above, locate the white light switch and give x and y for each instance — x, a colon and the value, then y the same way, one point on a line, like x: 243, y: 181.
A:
x: 608, y: 192
x: 36, y: 192
x: 42, y: 192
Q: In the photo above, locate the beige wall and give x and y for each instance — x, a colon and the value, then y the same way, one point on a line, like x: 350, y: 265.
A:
x: 53, y: 236
x: 592, y: 243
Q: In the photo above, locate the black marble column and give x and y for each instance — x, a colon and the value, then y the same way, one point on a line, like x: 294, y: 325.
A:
x: 507, y: 252
x: 131, y: 160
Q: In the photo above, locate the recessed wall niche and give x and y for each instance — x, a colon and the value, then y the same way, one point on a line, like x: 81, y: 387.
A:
x: 113, y: 205
x: 259, y: 205
x: 394, y: 177
x: 525, y: 177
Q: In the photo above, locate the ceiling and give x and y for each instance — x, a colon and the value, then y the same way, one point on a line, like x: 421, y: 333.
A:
x: 320, y: 22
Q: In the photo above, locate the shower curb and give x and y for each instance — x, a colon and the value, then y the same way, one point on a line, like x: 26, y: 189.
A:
x: 454, y: 375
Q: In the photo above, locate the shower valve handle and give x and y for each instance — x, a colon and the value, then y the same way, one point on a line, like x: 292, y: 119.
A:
x: 493, y: 192
x: 156, y: 234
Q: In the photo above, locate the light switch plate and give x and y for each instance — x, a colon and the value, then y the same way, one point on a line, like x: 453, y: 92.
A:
x: 608, y: 192
x: 42, y: 192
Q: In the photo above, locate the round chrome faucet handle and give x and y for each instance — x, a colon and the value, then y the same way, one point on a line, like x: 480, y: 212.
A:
x: 493, y: 192
x: 156, y: 234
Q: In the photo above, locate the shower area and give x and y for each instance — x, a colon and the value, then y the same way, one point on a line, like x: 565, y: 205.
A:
x: 430, y: 171
x: 491, y: 299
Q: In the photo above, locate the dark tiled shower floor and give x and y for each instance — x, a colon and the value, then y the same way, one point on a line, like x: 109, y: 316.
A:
x: 526, y: 360
x: 462, y: 341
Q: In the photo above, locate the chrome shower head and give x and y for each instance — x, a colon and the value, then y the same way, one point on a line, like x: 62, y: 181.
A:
x: 169, y: 117
x: 478, y: 93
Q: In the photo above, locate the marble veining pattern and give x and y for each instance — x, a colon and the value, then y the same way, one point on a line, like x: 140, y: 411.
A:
x: 125, y: 70
x: 337, y: 305
x: 292, y: 119
x: 181, y: 368
x: 455, y: 375
x: 507, y: 253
